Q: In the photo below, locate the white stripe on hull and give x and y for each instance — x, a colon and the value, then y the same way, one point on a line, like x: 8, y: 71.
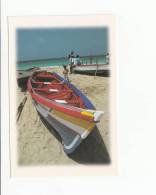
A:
x: 81, y: 131
x: 70, y: 146
x: 91, y: 68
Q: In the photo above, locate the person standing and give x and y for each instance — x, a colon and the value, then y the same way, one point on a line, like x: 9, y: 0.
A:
x: 77, y: 60
x: 71, y: 58
x: 107, y: 58
x: 65, y: 73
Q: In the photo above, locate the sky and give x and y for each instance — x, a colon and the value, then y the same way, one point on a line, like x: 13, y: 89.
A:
x: 35, y: 44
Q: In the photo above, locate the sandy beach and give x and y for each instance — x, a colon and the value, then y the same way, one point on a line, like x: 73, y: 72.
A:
x: 39, y: 145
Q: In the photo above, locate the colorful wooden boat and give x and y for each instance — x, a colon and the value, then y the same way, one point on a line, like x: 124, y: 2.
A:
x: 91, y: 68
x: 64, y: 107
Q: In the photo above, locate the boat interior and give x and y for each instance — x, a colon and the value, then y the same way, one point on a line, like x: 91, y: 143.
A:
x: 49, y: 86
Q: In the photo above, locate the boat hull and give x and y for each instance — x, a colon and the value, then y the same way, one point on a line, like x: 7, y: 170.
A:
x: 71, y: 133
x: 72, y: 123
x: 91, y: 68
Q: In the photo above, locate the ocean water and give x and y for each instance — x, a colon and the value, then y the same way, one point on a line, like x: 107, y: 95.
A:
x: 58, y: 62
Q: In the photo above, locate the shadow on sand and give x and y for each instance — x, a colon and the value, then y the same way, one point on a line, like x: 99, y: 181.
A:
x: 91, y: 151
x: 22, y: 84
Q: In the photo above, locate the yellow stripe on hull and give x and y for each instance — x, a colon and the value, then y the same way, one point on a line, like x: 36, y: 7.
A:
x: 86, y: 113
x: 76, y: 121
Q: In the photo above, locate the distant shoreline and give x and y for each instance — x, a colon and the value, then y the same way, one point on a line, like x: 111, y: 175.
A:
x: 47, y: 59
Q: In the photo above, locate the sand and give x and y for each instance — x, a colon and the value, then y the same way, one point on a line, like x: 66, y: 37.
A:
x: 38, y: 145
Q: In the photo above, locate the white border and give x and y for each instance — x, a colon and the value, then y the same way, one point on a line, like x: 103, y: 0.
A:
x: 135, y: 38
x: 61, y: 22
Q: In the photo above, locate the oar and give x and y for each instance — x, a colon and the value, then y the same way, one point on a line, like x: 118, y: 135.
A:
x: 20, y: 108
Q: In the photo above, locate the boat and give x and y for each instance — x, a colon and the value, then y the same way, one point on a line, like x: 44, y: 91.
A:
x: 23, y: 74
x: 91, y: 68
x: 63, y: 107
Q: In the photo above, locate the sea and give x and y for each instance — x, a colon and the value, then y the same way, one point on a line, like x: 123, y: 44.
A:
x: 98, y: 59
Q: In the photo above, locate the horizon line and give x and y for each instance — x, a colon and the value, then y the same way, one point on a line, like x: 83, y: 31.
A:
x: 46, y: 59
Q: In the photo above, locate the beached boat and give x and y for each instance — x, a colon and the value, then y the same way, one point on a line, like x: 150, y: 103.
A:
x: 64, y: 107
x: 23, y: 74
x: 91, y: 68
